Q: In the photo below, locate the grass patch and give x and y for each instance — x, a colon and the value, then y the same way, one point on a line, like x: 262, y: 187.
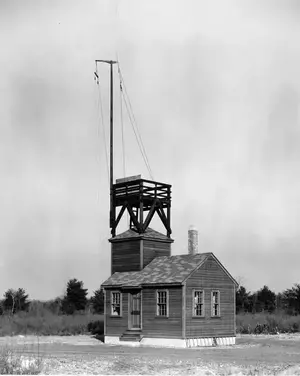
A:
x: 267, y: 323
x: 14, y: 363
x: 47, y: 323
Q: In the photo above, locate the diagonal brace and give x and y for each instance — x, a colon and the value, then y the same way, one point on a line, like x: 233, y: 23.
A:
x: 133, y: 217
x: 120, y: 214
x: 162, y: 216
x: 150, y: 215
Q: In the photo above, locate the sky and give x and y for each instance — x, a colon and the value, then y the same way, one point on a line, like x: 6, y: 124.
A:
x: 214, y: 87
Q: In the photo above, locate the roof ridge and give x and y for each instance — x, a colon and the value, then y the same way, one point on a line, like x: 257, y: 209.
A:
x: 190, y: 255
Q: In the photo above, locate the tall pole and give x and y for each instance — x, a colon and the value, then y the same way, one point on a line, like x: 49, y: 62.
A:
x: 112, y: 209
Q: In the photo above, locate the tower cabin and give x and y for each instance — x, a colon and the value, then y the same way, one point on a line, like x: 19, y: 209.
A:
x: 137, y: 247
x: 152, y: 297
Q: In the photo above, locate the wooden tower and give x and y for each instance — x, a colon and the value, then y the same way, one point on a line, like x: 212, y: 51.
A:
x: 135, y: 248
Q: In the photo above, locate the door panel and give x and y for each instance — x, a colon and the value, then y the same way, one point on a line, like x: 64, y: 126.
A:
x: 135, y: 310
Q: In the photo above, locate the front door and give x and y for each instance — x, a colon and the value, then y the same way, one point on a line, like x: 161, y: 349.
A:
x: 135, y: 310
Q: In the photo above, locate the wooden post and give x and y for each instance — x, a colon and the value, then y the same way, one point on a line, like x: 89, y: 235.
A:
x: 169, y: 211
x: 105, y: 302
x: 183, y: 312
x: 141, y: 209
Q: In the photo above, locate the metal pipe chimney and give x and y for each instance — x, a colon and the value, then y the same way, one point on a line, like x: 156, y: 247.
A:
x: 192, y: 240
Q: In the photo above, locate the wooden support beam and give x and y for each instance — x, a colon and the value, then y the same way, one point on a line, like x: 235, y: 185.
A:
x: 162, y: 216
x: 169, y: 212
x: 133, y: 217
x: 149, y: 216
x: 141, y: 214
x: 120, y: 214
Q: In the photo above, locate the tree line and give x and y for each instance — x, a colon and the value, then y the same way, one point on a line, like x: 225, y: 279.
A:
x: 74, y: 300
x: 266, y: 300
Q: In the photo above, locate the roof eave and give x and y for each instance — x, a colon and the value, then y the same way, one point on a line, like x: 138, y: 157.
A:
x: 141, y: 237
x: 154, y: 284
x: 121, y: 286
x: 126, y: 287
x: 108, y: 286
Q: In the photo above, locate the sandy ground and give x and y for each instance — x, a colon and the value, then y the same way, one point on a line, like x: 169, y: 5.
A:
x: 84, y: 354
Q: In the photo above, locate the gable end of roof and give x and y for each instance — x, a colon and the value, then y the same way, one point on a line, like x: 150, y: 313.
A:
x: 219, y: 264
x: 198, y: 266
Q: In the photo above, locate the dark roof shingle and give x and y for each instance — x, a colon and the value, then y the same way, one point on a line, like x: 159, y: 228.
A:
x: 161, y: 270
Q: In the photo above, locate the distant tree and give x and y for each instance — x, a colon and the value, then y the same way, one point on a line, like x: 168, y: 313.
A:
x: 75, y: 298
x: 291, y: 299
x: 242, y: 300
x: 97, y: 301
x: 36, y: 308
x: 266, y: 300
x: 252, y: 302
x: 280, y: 303
x: 54, y: 305
x: 15, y: 301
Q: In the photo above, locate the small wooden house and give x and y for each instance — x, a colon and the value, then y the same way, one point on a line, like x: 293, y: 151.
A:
x: 154, y: 298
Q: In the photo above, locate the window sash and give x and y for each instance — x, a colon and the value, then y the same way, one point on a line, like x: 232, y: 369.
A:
x: 116, y: 306
x: 198, y: 309
x: 215, y: 303
x: 162, y: 302
x: 215, y: 297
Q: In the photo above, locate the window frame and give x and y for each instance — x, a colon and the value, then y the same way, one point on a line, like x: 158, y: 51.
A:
x: 194, y: 303
x: 112, y: 303
x: 157, y: 303
x: 213, y: 304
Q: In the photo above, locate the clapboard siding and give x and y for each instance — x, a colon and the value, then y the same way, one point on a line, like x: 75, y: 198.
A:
x: 154, y: 248
x: 125, y: 256
x: 157, y: 327
x: 210, y: 276
x: 116, y: 326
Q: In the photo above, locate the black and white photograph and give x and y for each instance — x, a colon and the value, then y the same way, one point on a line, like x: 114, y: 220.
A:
x: 150, y: 187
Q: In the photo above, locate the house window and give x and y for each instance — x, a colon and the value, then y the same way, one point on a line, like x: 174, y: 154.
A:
x: 198, y: 303
x: 116, y: 303
x: 162, y: 303
x: 215, y: 303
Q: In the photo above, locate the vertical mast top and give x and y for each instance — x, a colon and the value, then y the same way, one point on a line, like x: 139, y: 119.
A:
x: 111, y: 215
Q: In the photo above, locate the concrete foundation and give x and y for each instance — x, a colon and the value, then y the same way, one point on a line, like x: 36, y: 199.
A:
x: 174, y: 342
x: 213, y: 341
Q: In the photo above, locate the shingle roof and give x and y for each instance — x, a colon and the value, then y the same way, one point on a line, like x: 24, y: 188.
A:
x: 148, y: 234
x: 161, y: 270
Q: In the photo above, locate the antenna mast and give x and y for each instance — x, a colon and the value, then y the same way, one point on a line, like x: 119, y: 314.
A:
x: 111, y: 211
